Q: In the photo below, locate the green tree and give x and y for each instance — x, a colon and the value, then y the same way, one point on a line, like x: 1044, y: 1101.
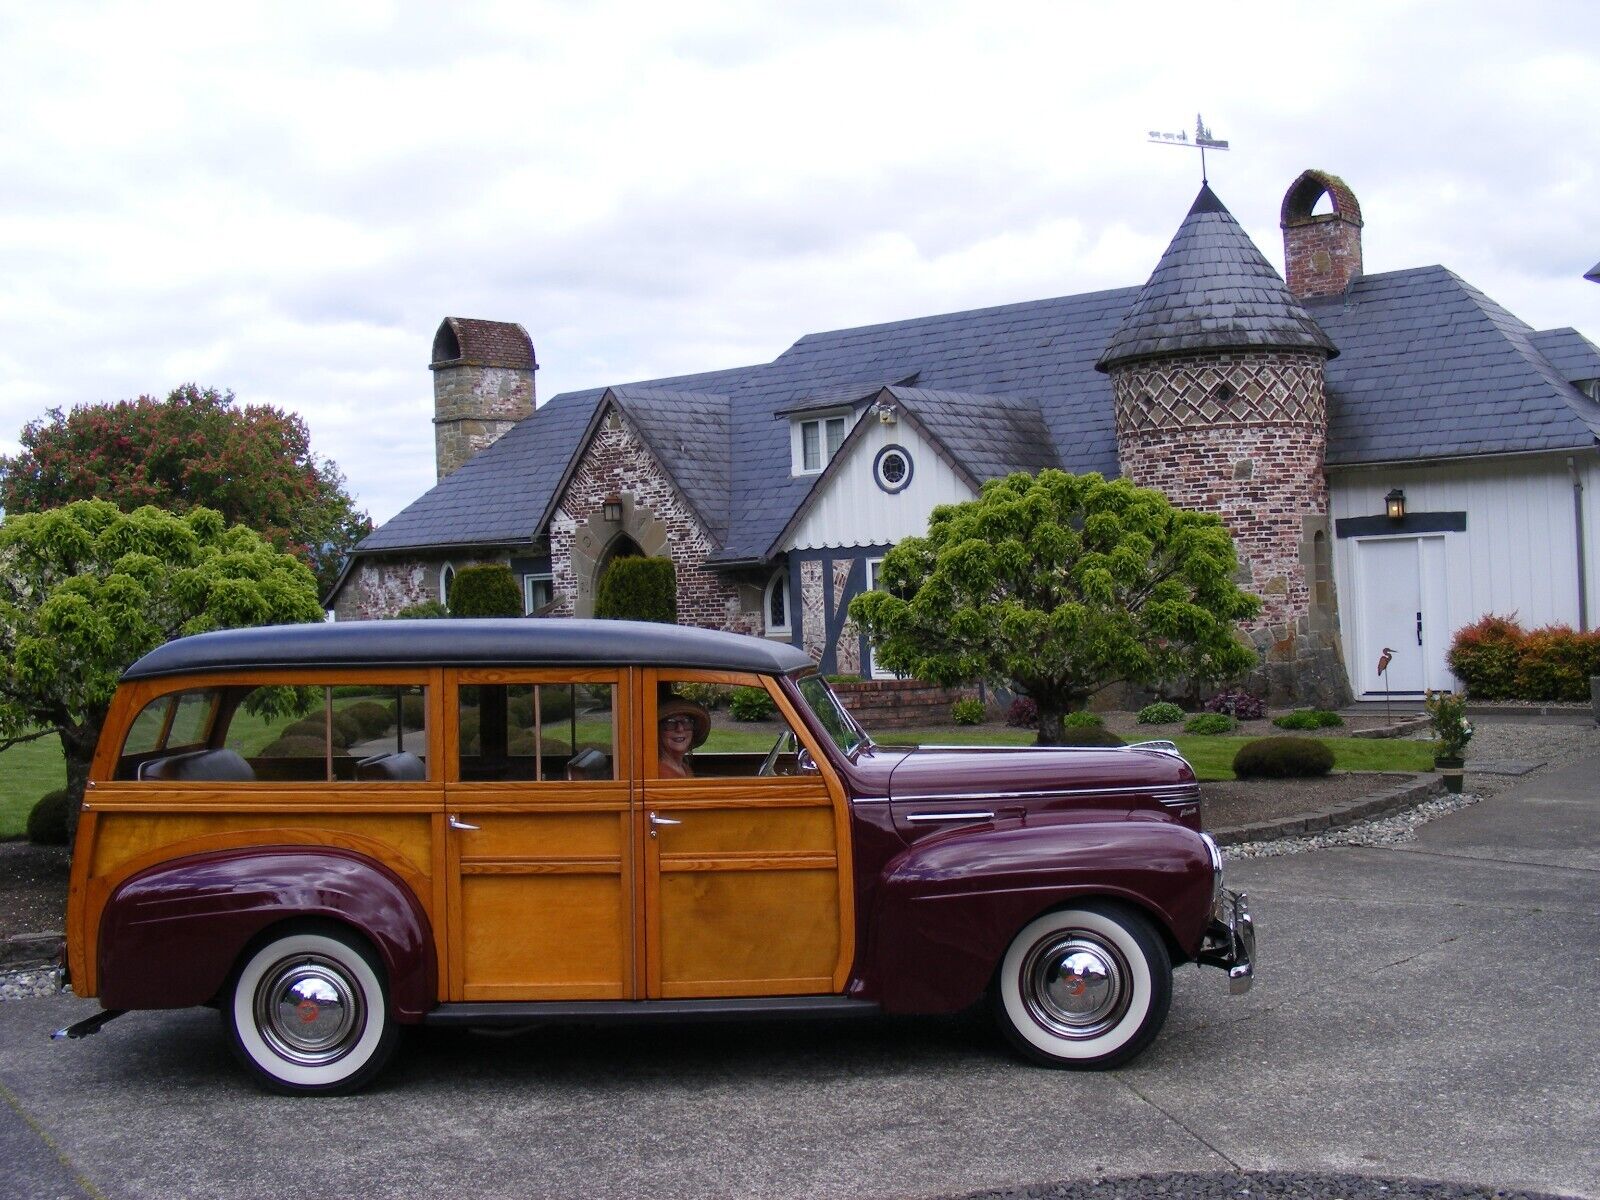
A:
x: 195, y: 449
x: 1060, y: 585
x: 86, y: 589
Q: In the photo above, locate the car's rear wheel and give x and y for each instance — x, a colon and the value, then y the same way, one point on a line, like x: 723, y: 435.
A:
x: 308, y: 1012
x: 1084, y: 987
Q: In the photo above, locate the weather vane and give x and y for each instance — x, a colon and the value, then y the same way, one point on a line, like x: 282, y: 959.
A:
x: 1203, y: 141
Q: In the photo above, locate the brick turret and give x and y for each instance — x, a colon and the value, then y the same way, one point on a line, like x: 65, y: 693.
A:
x: 1321, y: 251
x: 482, y: 386
x: 1217, y: 375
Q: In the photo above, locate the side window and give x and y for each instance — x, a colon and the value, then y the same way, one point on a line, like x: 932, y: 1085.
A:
x: 369, y: 732
x: 731, y: 728
x: 538, y: 732
x: 169, y: 725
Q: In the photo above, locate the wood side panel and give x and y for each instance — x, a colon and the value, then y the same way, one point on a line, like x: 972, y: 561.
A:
x: 546, y: 936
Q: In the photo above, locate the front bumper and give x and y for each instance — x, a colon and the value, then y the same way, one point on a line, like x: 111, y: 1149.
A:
x: 1230, y: 941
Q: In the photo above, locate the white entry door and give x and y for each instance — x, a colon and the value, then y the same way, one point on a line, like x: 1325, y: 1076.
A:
x: 1401, y: 585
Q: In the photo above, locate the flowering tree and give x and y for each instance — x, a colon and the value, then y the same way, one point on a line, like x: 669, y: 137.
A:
x: 1060, y: 585
x: 197, y: 448
x: 86, y: 589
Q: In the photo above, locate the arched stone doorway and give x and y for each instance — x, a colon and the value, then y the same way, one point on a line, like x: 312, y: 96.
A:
x: 596, y: 542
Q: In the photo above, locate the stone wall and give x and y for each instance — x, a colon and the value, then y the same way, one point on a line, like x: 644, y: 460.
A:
x: 899, y: 703
x: 618, y: 463
x: 381, y: 587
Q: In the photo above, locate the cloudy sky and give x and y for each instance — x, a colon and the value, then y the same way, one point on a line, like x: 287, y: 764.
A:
x: 285, y: 198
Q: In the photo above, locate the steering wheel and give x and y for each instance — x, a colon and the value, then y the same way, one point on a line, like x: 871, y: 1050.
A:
x: 769, y: 765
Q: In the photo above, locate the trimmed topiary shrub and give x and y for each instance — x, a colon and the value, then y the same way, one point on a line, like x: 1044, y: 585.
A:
x: 638, y: 589
x: 314, y: 729
x: 1023, y: 713
x: 1239, y: 704
x: 1308, y: 718
x: 425, y: 610
x: 1210, y: 723
x: 1282, y: 758
x: 1484, y: 656
x: 1083, y: 720
x: 967, y: 712
x: 47, y: 819
x: 1088, y: 735
x: 1556, y: 663
x: 751, y: 704
x: 487, y: 590
x: 412, y: 710
x: 371, y: 717
x: 290, y: 746
x: 1164, y: 712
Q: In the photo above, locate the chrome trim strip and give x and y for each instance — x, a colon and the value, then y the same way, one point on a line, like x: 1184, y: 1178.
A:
x: 928, y: 818
x: 1176, y: 792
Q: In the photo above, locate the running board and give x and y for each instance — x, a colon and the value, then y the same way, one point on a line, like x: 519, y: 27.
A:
x: 611, y: 1012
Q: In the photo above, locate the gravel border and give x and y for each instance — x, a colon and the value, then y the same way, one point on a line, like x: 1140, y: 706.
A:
x: 1259, y: 1185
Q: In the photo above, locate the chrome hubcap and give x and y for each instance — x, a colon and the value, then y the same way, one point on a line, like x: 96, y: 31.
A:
x: 1076, y: 984
x: 310, y: 1010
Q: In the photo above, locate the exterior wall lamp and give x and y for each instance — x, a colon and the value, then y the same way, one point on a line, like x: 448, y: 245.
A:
x: 1395, y: 505
x: 611, y: 509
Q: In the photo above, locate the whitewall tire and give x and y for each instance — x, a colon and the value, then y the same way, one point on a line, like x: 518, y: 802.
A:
x: 1085, y: 987
x: 308, y: 1012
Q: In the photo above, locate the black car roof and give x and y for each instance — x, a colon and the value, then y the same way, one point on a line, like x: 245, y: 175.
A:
x: 525, y: 642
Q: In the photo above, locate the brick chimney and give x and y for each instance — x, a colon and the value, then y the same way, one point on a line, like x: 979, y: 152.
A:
x: 482, y: 386
x: 1321, y: 251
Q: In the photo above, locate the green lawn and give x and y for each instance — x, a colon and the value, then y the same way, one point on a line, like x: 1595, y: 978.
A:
x: 27, y: 772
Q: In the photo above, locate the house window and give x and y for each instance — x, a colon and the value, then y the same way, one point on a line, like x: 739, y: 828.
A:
x: 776, y: 606
x: 537, y: 592
x: 817, y: 441
x: 892, y: 469
x: 447, y: 576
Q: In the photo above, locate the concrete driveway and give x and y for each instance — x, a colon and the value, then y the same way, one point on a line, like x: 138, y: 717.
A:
x: 1423, y: 1011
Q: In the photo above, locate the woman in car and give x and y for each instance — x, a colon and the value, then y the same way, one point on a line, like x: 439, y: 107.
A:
x: 682, y: 725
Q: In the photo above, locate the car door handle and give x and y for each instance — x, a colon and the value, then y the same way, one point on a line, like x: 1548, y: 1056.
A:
x: 655, y: 820
x: 457, y: 823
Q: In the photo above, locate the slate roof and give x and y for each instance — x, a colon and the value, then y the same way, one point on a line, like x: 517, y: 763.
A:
x: 500, y: 497
x: 1427, y: 367
x: 1212, y: 290
x: 1432, y: 368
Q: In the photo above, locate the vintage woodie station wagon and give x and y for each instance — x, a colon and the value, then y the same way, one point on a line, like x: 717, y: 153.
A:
x: 328, y: 831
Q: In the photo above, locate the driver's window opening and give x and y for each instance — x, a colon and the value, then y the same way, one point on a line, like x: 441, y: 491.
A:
x: 727, y: 729
x: 537, y: 732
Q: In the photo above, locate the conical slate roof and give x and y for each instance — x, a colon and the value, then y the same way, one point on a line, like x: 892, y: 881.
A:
x: 1212, y: 290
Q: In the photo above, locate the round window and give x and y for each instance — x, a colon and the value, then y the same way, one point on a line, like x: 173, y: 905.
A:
x: 892, y: 468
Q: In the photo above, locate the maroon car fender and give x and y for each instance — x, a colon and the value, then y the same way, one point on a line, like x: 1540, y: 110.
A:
x: 948, y: 907
x: 170, y: 934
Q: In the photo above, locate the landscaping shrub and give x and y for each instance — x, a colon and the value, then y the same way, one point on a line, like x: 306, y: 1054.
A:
x: 1089, y: 735
x: 292, y: 746
x: 709, y: 696
x: 638, y: 589
x: 1556, y: 663
x: 487, y: 590
x: 1484, y: 656
x: 47, y: 820
x: 1210, y: 723
x: 555, y: 704
x: 1083, y: 720
x: 1239, y: 704
x: 314, y: 729
x: 1023, y: 713
x: 1162, y: 713
x: 845, y: 678
x: 751, y: 704
x: 1308, y: 718
x: 427, y: 609
x: 412, y: 710
x: 346, y: 728
x: 1282, y: 758
x: 967, y: 712
x: 371, y: 717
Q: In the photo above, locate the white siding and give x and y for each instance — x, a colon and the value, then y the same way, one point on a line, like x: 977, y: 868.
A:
x: 1518, y: 554
x: 854, y: 511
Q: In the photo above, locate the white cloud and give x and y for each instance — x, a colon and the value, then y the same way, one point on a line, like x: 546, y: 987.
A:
x: 285, y: 198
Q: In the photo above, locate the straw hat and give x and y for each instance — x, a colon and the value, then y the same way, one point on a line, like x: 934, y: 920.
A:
x: 677, y: 707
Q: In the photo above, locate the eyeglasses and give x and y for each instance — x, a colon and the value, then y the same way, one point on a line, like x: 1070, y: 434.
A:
x: 678, y: 723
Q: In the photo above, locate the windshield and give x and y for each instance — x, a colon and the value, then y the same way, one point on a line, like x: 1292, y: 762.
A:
x: 841, y: 726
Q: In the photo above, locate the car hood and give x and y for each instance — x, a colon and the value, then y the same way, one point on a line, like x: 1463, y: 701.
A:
x: 928, y: 772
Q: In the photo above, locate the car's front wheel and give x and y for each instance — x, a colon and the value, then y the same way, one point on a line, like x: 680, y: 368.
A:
x: 308, y: 1012
x: 1084, y: 987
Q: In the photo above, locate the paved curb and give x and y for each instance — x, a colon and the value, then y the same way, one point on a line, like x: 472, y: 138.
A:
x: 1379, y: 804
x: 29, y: 949
x: 1399, y: 729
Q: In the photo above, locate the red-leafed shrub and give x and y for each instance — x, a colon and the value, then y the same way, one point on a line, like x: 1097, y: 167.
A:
x: 1484, y: 656
x: 1239, y: 704
x: 1556, y: 663
x: 1023, y: 713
